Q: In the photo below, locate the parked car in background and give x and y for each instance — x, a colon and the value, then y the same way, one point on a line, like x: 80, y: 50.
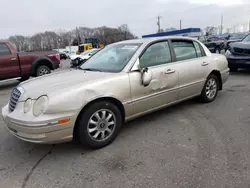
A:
x: 123, y: 81
x: 22, y: 65
x: 63, y: 55
x: 215, y: 45
x: 77, y: 60
x: 238, y: 54
x: 234, y: 38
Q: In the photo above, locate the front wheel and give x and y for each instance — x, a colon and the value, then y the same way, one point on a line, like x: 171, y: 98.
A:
x: 99, y: 124
x: 210, y: 89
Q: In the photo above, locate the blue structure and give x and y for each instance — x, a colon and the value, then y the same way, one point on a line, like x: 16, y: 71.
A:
x: 192, y: 32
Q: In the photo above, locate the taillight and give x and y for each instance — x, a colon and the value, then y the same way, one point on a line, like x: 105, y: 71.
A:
x: 58, y: 56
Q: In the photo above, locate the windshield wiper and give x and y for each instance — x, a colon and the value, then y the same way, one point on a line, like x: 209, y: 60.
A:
x: 90, y: 69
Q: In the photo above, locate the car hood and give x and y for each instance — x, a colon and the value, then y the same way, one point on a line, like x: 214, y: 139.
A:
x: 84, y: 56
x: 243, y: 45
x: 72, y: 57
x: 56, y: 82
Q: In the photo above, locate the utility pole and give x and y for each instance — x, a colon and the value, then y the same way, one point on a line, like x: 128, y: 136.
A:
x: 159, y: 23
x: 221, y: 25
x: 180, y: 25
x: 77, y: 36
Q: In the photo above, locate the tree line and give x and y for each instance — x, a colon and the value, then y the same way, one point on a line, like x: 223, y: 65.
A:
x: 49, y: 40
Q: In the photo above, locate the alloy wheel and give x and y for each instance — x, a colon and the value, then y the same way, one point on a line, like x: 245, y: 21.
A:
x: 101, y: 125
x: 211, y: 88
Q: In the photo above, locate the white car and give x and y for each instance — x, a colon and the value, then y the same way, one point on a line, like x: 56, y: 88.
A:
x: 81, y: 58
x: 84, y: 55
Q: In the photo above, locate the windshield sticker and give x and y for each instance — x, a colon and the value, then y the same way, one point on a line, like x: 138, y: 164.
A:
x: 130, y: 47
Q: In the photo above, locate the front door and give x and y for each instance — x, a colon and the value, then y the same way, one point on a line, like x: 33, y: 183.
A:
x: 163, y: 87
x: 9, y: 66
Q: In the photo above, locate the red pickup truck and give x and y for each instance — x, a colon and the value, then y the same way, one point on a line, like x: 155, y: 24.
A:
x: 22, y: 65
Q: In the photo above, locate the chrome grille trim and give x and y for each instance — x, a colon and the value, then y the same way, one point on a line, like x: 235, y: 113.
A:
x: 15, y: 94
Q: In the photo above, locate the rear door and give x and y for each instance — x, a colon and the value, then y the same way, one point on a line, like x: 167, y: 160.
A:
x: 9, y: 65
x: 191, y: 67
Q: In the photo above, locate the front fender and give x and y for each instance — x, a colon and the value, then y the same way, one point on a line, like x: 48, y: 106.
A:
x: 74, y: 100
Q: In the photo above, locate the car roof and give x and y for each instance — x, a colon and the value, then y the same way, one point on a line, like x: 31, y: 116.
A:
x: 152, y: 39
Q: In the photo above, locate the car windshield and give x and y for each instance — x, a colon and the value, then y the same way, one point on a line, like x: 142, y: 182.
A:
x: 246, y: 39
x: 112, y: 58
x: 237, y: 36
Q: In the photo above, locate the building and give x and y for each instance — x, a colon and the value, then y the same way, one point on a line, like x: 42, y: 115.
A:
x: 190, y: 32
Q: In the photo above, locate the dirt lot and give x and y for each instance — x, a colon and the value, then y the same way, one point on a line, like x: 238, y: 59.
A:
x: 188, y: 145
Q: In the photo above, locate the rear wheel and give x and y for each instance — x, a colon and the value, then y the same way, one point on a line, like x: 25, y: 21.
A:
x: 210, y: 89
x: 42, y: 70
x: 99, y: 124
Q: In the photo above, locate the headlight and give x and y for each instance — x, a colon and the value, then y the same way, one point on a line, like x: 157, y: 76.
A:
x: 27, y: 105
x: 228, y: 53
x: 40, y: 105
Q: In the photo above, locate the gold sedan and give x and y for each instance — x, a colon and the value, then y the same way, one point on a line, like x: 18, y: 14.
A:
x: 123, y: 81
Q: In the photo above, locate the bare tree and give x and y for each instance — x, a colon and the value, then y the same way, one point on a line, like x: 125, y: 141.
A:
x: 211, y: 30
x: 49, y: 40
x: 125, y: 32
x: 19, y: 41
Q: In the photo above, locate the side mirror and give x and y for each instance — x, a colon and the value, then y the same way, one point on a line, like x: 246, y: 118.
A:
x: 146, y: 76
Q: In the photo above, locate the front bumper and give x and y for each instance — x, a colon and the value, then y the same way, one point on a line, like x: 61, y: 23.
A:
x: 238, y: 61
x: 44, y: 132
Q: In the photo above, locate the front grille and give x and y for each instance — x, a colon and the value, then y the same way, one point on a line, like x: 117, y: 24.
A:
x: 242, y: 51
x: 15, y: 94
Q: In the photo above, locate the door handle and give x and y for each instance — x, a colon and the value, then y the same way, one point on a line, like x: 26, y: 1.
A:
x: 13, y: 59
x: 170, y: 71
x: 204, y: 64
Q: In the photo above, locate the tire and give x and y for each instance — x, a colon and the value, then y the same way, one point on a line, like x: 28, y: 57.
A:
x: 233, y: 69
x: 207, y: 96
x: 24, y: 78
x: 42, y: 70
x: 87, y: 132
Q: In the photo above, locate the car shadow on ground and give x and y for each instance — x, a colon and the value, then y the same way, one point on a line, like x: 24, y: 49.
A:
x: 242, y: 72
x: 168, y: 111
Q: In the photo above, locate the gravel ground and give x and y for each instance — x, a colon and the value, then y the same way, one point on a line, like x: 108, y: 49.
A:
x: 188, y: 145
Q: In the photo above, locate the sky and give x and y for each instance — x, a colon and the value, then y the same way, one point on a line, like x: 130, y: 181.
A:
x: 27, y: 17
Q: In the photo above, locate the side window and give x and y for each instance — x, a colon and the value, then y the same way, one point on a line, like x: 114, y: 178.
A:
x: 4, y: 50
x: 198, y: 49
x: 184, y: 50
x: 156, y: 54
